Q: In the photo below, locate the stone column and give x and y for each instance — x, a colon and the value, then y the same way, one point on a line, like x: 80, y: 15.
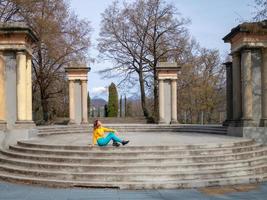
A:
x: 29, y: 88
x: 237, y: 101
x: 247, y: 96
x: 84, y: 102
x: 264, y: 88
x: 2, y: 92
x: 21, y: 87
x: 174, y: 101
x: 71, y: 102
x: 229, y: 93
x: 161, y: 101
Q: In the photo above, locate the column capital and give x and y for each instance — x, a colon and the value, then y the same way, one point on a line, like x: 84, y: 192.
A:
x: 20, y: 52
x: 246, y: 50
x: 235, y: 54
x: 228, y: 64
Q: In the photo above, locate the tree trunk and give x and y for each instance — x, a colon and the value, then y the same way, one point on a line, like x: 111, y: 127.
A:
x: 44, y: 105
x: 143, y: 95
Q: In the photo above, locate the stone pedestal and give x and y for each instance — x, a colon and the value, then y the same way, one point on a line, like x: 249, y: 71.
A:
x: 16, y: 41
x: 248, y: 49
x: 77, y: 77
x: 167, y: 77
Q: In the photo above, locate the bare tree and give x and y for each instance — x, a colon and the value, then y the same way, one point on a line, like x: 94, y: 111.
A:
x: 260, y: 10
x: 136, y: 36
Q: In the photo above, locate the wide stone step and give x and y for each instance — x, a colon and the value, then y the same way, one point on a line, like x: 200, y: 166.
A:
x: 166, y: 153
x: 135, y: 128
x: 134, y: 185
x: 30, y: 144
x: 132, y: 131
x: 137, y: 176
x: 77, y: 167
x: 119, y: 160
x: 131, y: 128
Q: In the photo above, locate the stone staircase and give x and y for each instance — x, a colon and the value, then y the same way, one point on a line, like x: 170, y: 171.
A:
x: 212, y: 129
x: 134, y: 167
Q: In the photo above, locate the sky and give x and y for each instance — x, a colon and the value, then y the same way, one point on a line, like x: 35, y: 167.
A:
x: 211, y: 20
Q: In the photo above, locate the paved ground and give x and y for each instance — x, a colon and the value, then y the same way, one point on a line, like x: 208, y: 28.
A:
x: 143, y: 139
x: 21, y: 192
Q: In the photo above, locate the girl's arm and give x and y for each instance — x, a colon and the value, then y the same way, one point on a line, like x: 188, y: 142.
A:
x: 108, y: 129
x: 94, y: 139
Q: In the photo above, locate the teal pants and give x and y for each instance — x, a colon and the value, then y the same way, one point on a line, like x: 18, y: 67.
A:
x: 105, y: 140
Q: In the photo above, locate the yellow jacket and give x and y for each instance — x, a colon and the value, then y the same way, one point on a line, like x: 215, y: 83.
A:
x: 99, y: 133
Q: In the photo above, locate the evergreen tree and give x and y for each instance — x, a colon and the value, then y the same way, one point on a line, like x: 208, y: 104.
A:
x: 112, y: 101
x: 106, y: 110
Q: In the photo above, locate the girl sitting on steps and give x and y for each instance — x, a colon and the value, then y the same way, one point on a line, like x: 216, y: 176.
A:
x: 102, y: 140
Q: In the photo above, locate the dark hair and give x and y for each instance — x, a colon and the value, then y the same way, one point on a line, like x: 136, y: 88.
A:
x: 95, y: 123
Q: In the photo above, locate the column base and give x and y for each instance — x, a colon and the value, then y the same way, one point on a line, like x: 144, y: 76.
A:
x: 84, y: 123
x: 3, y: 125
x: 71, y: 122
x: 247, y: 123
x: 263, y: 122
x: 161, y: 122
x: 235, y: 123
x: 228, y: 122
x: 24, y: 124
x: 174, y: 122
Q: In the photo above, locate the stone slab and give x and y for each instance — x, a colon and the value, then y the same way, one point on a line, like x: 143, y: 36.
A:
x: 23, y: 192
x: 259, y: 134
x: 10, y: 137
x: 142, y: 138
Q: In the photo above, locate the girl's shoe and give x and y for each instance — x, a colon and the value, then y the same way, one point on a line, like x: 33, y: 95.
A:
x: 116, y: 144
x: 125, y: 142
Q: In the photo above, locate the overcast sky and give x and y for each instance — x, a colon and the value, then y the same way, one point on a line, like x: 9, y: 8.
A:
x: 211, y: 20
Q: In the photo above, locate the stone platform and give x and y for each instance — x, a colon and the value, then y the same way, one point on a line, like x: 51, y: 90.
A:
x: 142, y: 139
x: 64, y: 157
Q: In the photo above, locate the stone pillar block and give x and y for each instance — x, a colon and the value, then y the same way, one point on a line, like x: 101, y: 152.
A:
x: 77, y: 77
x: 29, y: 89
x: 2, y: 92
x: 229, y: 94
x: 174, y: 102
x: 264, y: 88
x: 71, y: 102
x: 21, y: 87
x: 237, y: 100
x: 84, y: 103
x: 247, y: 97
